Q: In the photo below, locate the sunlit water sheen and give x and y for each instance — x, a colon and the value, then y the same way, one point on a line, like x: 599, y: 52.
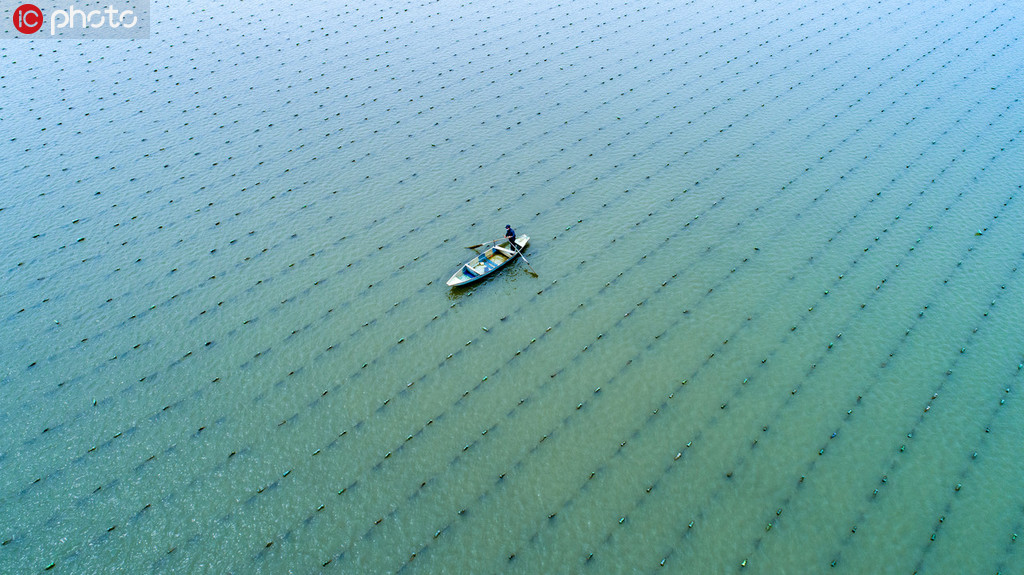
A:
x: 775, y: 326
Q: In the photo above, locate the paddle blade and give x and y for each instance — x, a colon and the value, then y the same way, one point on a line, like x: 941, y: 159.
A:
x: 473, y: 247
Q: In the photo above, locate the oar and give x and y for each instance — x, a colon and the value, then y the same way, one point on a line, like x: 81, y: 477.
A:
x: 520, y: 252
x: 473, y: 247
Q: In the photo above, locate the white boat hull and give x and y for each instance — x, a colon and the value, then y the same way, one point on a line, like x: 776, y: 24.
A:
x: 491, y: 260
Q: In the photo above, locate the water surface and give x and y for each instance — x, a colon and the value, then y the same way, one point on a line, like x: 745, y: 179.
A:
x: 774, y: 326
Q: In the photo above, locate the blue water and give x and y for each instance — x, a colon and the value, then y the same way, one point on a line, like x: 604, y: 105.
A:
x: 773, y: 325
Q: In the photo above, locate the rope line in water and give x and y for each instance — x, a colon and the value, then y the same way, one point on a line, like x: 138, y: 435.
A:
x: 435, y: 419
x: 307, y: 291
x: 897, y: 219
x: 847, y: 273
x: 143, y: 378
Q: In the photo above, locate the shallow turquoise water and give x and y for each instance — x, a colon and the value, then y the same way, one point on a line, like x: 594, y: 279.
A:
x: 775, y: 325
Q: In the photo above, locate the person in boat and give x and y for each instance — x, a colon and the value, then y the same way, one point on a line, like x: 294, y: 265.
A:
x: 510, y: 235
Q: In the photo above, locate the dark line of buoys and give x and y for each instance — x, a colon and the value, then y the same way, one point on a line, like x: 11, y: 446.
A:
x: 1004, y: 204
x: 947, y: 208
x: 440, y: 417
x: 526, y: 400
x: 755, y: 441
x: 1011, y: 542
x: 892, y: 466
x: 968, y: 466
x: 863, y: 393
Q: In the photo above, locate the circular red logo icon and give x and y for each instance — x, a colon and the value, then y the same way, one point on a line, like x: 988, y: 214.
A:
x: 28, y: 18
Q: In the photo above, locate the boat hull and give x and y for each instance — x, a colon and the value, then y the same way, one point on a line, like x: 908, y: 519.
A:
x: 491, y: 260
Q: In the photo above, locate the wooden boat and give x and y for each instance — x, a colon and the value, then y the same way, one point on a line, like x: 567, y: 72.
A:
x: 491, y: 260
